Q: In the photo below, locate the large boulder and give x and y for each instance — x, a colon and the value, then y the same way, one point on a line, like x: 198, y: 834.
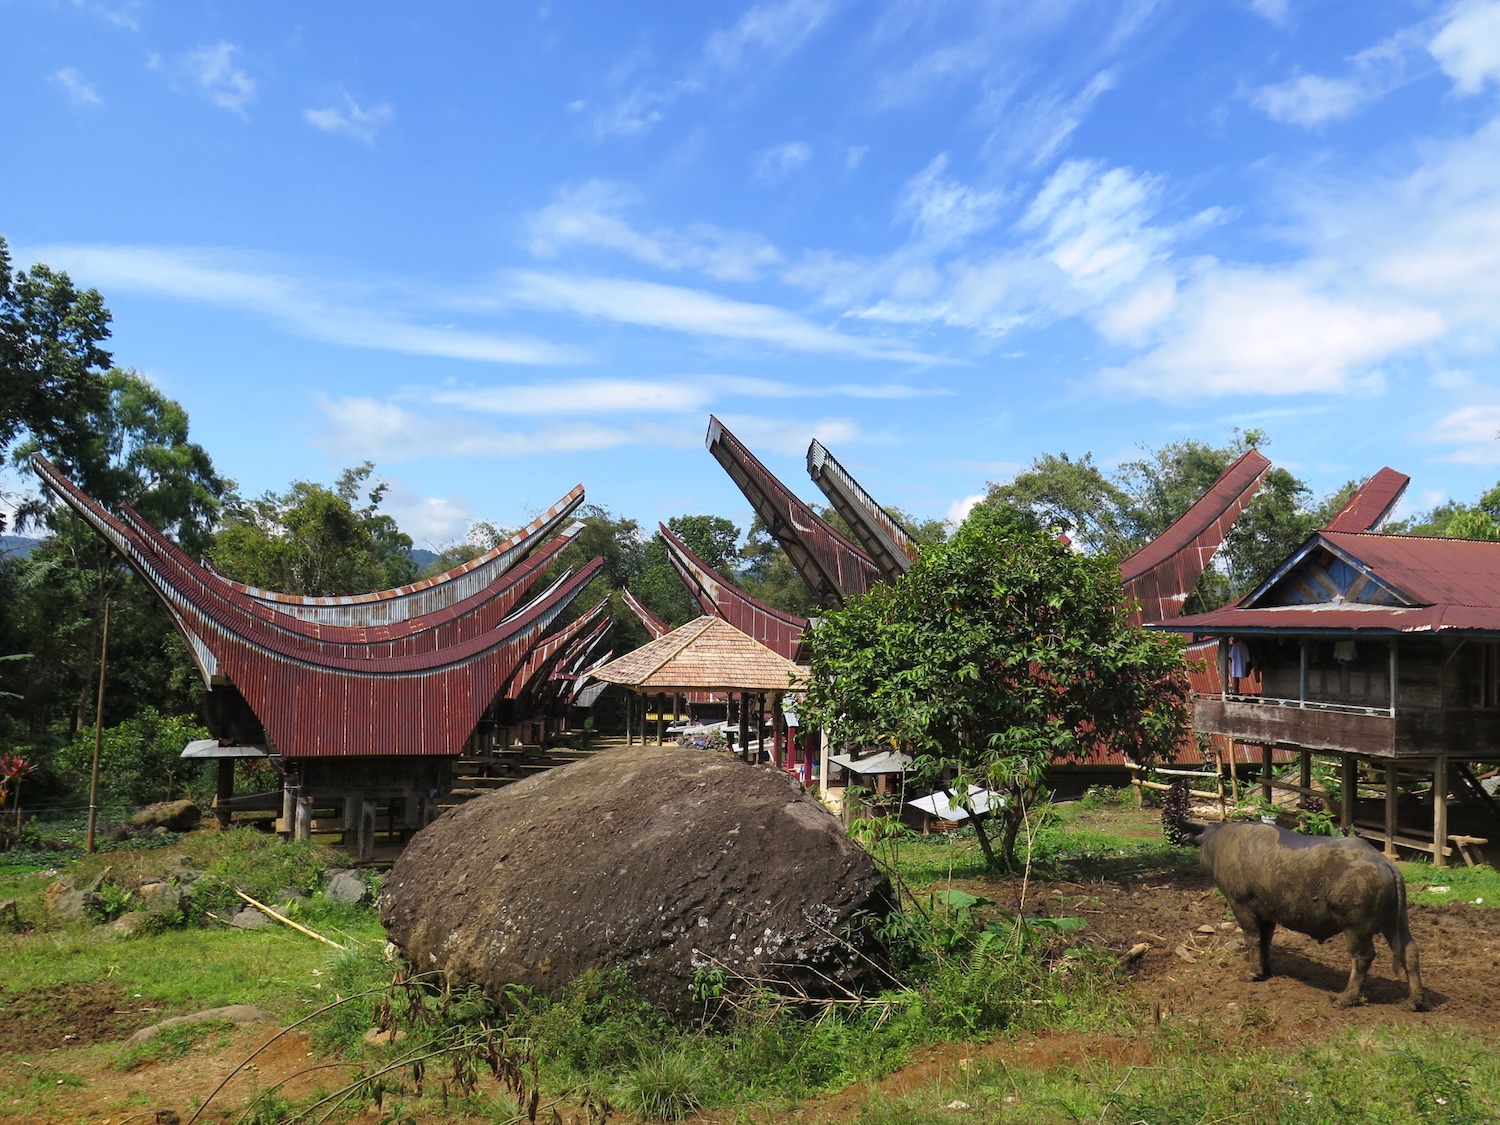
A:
x: 664, y: 862
x: 174, y: 816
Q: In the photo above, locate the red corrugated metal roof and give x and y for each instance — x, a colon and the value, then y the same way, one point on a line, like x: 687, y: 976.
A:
x: 832, y: 567
x: 779, y: 631
x: 1162, y: 574
x: 1371, y: 502
x: 1429, y: 571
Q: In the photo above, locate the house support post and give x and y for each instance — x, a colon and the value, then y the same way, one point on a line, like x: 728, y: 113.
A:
x: 1265, y: 773
x: 223, y: 791
x: 1348, y: 787
x: 1391, y: 820
x: 1440, y: 811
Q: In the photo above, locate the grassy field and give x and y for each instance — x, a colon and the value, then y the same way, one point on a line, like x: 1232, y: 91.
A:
x: 1003, y: 1015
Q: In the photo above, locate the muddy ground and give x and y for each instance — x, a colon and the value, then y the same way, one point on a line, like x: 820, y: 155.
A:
x: 1184, y: 974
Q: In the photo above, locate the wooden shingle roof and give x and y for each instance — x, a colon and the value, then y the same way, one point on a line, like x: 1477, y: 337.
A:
x: 708, y: 654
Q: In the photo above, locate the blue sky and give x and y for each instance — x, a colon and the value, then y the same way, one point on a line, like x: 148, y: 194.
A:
x: 500, y: 249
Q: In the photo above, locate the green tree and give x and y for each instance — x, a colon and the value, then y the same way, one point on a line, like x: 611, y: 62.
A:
x: 52, y: 364
x: 1457, y: 520
x: 137, y: 452
x: 1074, y: 497
x: 140, y: 759
x: 316, y: 540
x: 999, y: 653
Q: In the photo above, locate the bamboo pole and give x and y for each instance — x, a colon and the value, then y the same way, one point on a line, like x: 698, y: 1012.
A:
x: 285, y: 921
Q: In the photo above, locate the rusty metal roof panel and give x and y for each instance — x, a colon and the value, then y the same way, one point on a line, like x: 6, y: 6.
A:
x: 777, y: 630
x: 1429, y: 570
x: 833, y: 567
x: 429, y: 594
x: 883, y: 539
x: 314, y: 703
x: 1371, y: 504
x: 654, y: 625
x: 1162, y: 574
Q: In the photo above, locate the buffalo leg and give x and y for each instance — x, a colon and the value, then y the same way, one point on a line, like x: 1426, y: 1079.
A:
x: 1257, y: 933
x: 1362, y: 952
x: 1404, y: 950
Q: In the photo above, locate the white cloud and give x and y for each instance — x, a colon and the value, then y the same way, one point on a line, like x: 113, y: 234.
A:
x: 959, y: 510
x: 1256, y: 332
x: 79, y: 90
x: 692, y: 394
x: 945, y: 212
x: 790, y: 438
x: 692, y: 311
x: 592, y: 215
x: 351, y: 119
x: 1467, y: 46
x: 766, y: 31
x: 1473, y: 431
x: 121, y: 15
x: 779, y: 161
x: 854, y: 156
x: 1277, y: 11
x: 1031, y: 131
x: 1311, y: 99
x: 217, y: 77
x: 433, y: 521
x: 300, y: 304
x: 365, y: 429
x: 763, y: 37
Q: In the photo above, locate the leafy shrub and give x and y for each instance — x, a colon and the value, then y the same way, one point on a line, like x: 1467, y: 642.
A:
x: 140, y: 761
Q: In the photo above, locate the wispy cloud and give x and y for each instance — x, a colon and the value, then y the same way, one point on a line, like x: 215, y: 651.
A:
x: 79, y: 90
x: 1472, y: 431
x: 694, y: 312
x: 212, y: 69
x: 593, y: 215
x: 691, y: 395
x: 762, y: 38
x: 299, y: 303
x: 1311, y: 100
x: 1277, y: 11
x: 120, y: 15
x: 774, y: 164
x: 387, y: 433
x: 351, y: 119
x: 766, y: 32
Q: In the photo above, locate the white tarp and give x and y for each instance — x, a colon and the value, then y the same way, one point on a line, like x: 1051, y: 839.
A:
x: 940, y: 804
x: 887, y: 761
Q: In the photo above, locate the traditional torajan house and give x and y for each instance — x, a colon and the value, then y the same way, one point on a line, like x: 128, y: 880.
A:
x: 1382, y: 650
x: 361, y: 703
x: 1157, y: 579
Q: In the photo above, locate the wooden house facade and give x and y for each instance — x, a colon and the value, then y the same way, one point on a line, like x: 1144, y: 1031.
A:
x: 1382, y: 650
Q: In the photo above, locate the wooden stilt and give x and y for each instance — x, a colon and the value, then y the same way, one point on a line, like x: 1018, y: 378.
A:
x: 1440, y: 811
x: 1265, y: 772
x: 223, y: 791
x: 1350, y: 786
x: 1391, y: 819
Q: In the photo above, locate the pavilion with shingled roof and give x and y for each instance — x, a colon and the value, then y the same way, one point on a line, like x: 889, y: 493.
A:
x: 709, y: 654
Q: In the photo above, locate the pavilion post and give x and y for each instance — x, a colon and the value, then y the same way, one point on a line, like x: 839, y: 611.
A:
x: 1390, y: 809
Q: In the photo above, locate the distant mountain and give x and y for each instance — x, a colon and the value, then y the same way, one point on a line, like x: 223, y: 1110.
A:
x: 18, y: 545
x: 423, y: 558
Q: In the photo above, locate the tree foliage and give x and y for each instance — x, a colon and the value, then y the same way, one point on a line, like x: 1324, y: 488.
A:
x: 1457, y: 520
x: 52, y: 362
x: 999, y: 653
x: 1121, y: 513
x: 315, y: 540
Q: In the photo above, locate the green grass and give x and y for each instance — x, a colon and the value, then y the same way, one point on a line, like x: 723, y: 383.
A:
x: 969, y: 976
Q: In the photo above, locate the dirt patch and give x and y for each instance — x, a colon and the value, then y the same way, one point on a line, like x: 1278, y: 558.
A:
x: 70, y: 1015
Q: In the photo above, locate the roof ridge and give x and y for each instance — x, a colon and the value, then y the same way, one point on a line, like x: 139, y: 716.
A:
x: 688, y: 638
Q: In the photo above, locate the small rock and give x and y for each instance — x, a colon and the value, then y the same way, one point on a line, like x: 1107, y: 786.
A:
x: 1186, y: 954
x: 1225, y: 927
x: 957, y: 1105
x: 128, y: 924
x: 250, y: 919
x: 234, y: 1013
x: 346, y: 886
x: 174, y: 816
x: 1206, y: 929
x: 10, y: 917
x: 161, y: 898
x: 379, y: 1038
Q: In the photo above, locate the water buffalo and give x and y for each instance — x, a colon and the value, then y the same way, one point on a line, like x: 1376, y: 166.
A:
x: 1316, y: 885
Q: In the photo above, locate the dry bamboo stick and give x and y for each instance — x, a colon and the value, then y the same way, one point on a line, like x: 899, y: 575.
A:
x: 285, y: 921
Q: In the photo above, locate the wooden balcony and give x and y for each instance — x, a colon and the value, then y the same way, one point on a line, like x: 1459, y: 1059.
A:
x: 1285, y: 722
